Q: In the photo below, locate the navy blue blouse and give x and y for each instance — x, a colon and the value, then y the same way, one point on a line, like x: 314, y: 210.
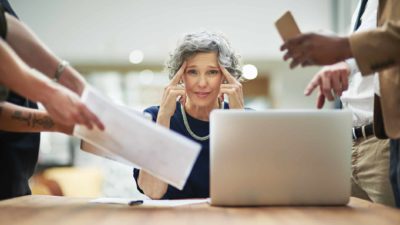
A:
x: 198, y: 183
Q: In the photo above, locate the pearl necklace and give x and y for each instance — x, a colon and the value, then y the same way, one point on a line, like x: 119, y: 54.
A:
x: 186, y: 123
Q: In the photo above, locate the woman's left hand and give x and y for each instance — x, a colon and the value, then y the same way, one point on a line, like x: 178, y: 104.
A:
x: 233, y: 89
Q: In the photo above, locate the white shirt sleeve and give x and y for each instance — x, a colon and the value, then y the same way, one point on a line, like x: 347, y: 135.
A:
x: 353, y: 66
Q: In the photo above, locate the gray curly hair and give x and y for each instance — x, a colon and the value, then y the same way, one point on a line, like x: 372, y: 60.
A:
x: 204, y: 41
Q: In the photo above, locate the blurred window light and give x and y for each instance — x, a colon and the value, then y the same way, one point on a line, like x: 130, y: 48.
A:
x: 136, y: 57
x: 250, y: 72
x: 146, y: 77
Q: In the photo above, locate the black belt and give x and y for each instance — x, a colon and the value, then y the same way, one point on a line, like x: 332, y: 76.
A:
x: 363, y: 131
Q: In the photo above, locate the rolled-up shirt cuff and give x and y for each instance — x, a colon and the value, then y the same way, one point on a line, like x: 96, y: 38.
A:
x: 353, y: 66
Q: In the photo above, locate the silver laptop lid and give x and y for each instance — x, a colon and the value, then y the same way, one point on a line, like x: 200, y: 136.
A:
x: 280, y: 157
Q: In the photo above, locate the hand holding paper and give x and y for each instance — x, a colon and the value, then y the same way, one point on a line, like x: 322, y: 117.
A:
x: 131, y: 138
x: 310, y: 48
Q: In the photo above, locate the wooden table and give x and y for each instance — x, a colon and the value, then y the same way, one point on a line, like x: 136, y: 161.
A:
x: 42, y: 210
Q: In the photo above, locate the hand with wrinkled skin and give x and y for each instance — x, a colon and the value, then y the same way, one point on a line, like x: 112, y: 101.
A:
x: 233, y: 89
x: 171, y: 93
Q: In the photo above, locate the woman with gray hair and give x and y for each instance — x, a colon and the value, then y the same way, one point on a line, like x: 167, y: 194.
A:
x: 202, y: 69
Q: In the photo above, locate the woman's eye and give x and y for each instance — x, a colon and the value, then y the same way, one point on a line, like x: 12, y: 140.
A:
x: 214, y: 72
x: 191, y: 72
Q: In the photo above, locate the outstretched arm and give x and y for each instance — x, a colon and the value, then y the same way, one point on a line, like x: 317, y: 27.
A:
x: 15, y: 118
x: 373, y: 50
x: 37, y: 55
x: 64, y: 106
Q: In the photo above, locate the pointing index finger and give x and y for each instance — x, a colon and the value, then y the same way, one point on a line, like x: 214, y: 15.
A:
x: 228, y: 76
x: 175, y: 80
x: 311, y: 86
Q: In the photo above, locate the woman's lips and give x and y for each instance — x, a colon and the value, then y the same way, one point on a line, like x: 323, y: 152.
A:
x: 202, y: 94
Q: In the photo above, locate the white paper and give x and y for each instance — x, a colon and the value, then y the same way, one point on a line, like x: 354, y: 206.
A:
x: 128, y: 136
x: 120, y: 201
x: 151, y: 203
x: 173, y: 203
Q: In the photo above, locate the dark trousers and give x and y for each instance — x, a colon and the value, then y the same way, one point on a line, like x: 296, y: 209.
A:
x: 395, y: 169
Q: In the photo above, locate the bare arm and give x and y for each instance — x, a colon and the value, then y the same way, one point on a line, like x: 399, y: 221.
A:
x: 63, y: 105
x: 15, y: 118
x: 17, y: 76
x: 37, y: 55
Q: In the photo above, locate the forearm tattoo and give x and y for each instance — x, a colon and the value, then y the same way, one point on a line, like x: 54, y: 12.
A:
x: 33, y: 120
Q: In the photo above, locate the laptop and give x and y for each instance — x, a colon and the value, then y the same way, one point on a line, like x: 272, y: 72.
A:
x: 280, y: 157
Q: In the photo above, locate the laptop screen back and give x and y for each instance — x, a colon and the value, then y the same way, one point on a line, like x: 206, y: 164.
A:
x: 280, y: 157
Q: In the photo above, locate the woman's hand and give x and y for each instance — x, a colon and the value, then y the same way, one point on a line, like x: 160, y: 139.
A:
x: 171, y: 93
x: 233, y: 89
x: 151, y: 186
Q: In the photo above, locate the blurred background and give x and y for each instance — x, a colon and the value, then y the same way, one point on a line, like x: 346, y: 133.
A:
x: 120, y: 47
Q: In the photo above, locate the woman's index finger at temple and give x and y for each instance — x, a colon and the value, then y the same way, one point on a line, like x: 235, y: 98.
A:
x: 178, y: 75
x: 228, y: 76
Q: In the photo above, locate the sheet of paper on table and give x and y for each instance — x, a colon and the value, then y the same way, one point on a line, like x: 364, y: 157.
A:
x: 132, y: 139
x: 149, y: 202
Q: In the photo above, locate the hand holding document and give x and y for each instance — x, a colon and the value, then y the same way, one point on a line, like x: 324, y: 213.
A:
x: 134, y: 140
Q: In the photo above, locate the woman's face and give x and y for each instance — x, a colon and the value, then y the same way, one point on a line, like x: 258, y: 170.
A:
x: 202, y: 79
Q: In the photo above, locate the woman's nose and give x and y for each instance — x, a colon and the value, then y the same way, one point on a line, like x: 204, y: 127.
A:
x: 202, y: 81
